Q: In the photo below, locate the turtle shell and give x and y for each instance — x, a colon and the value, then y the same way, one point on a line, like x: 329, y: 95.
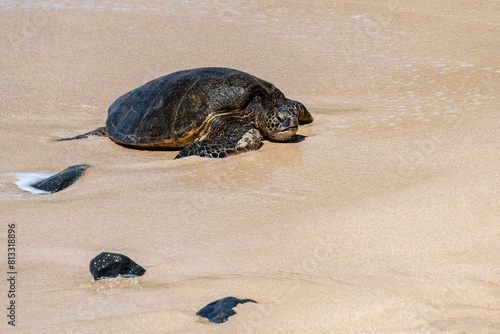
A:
x: 171, y: 111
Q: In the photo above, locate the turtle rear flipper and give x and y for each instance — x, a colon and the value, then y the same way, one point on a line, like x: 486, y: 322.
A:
x: 239, y: 140
x: 97, y: 132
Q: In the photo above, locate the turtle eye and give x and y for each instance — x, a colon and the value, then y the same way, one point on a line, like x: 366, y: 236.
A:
x: 281, y: 115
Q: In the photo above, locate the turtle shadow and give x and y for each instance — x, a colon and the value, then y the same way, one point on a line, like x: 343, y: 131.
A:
x: 294, y: 139
x: 143, y: 148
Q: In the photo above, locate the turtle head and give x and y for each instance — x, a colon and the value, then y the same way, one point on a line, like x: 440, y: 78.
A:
x: 281, y: 123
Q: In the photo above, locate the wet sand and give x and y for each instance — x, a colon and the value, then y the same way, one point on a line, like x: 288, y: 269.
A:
x: 384, y: 219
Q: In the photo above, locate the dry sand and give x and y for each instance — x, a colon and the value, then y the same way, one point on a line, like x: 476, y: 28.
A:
x: 384, y: 219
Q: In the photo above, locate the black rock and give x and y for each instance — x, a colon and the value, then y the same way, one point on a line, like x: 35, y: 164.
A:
x: 61, y: 180
x: 106, y: 265
x: 219, y: 310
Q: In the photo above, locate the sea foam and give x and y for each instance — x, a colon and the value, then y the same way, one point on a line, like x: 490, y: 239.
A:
x: 25, y: 180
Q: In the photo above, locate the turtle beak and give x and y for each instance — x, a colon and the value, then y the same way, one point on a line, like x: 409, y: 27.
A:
x: 290, y: 127
x: 291, y: 123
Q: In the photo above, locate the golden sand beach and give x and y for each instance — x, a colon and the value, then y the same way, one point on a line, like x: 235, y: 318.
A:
x: 385, y: 219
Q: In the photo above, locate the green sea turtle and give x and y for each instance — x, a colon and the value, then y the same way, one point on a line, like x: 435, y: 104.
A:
x: 210, y: 112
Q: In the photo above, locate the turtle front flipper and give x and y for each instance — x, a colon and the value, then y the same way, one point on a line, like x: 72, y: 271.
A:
x: 234, y: 141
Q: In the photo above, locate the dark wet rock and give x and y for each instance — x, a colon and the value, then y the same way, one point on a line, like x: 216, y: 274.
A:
x: 219, y: 310
x: 106, y: 265
x: 61, y: 180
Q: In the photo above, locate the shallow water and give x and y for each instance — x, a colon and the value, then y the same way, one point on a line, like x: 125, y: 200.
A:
x: 384, y: 219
